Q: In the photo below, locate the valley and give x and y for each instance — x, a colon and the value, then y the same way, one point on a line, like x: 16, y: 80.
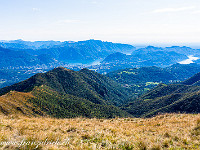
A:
x: 22, y: 59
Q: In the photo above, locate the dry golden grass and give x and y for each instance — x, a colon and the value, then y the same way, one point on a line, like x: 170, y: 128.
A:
x: 16, y: 103
x: 169, y: 131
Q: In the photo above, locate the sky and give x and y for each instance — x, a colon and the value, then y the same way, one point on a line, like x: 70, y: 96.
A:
x: 128, y: 21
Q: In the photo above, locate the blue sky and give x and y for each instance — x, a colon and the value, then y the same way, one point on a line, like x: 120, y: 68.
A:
x: 128, y: 21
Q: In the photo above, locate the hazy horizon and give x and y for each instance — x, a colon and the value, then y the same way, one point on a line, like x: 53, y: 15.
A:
x: 137, y: 45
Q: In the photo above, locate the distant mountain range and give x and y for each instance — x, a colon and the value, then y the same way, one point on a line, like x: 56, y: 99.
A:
x: 22, y: 59
x: 149, y: 56
x: 12, y: 58
x: 69, y: 52
x: 112, y: 55
x: 178, y: 49
x: 20, y: 44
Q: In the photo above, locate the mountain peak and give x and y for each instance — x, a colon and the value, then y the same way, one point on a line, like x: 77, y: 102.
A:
x: 60, y: 68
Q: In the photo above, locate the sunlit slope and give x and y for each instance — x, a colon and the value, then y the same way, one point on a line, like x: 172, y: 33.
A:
x: 17, y: 103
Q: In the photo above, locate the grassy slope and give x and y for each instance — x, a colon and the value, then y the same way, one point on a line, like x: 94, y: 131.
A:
x: 17, y: 103
x: 169, y: 131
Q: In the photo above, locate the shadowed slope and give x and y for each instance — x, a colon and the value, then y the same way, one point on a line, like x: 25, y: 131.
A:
x: 184, y: 98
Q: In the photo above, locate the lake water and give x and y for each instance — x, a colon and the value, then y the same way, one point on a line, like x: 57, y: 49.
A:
x: 189, y: 60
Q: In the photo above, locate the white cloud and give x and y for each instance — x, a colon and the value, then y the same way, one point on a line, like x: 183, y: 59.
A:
x: 189, y: 60
x: 94, y: 2
x: 196, y: 12
x: 168, y: 10
x: 35, y: 9
x: 68, y: 21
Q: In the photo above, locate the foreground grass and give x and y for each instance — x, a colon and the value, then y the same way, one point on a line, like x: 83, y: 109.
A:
x: 169, y: 131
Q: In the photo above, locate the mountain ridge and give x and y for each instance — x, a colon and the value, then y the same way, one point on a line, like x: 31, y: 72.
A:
x: 84, y: 90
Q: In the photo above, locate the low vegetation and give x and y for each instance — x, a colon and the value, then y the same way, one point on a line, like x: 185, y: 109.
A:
x: 17, y: 103
x: 169, y: 131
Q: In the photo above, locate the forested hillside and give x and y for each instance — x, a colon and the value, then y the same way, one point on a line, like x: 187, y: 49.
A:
x: 143, y: 79
x: 66, y: 93
x: 183, y: 97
